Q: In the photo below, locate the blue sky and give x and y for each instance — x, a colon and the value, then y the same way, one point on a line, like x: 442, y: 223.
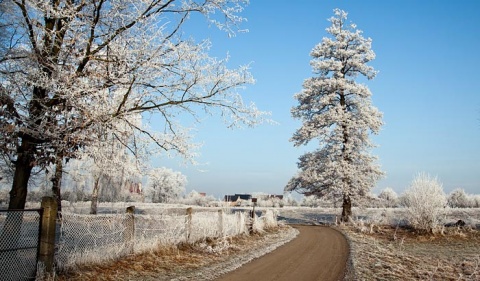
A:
x: 427, y: 88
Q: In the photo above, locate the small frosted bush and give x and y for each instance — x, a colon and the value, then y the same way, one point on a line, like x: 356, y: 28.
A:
x: 389, y: 197
x: 425, y: 202
x: 458, y: 199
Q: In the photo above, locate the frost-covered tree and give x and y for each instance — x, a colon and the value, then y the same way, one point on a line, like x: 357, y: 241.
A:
x: 458, y: 199
x: 389, y: 196
x: 69, y: 67
x: 337, y: 111
x: 110, y: 162
x: 425, y: 202
x: 165, y: 185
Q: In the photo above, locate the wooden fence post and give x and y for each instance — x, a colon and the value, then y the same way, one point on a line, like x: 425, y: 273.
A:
x: 188, y: 224
x: 220, y: 223
x: 47, y: 238
x: 129, y: 234
x: 251, y: 221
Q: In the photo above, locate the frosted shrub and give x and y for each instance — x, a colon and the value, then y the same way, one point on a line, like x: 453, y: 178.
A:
x: 459, y: 199
x: 475, y: 201
x: 194, y: 198
x: 270, y: 218
x: 425, y: 202
x: 389, y: 197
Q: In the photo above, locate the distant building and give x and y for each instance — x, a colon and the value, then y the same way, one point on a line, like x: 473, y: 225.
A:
x: 236, y: 197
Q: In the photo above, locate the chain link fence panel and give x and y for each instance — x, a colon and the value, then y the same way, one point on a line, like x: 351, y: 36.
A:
x: 84, y: 239
x: 19, y: 242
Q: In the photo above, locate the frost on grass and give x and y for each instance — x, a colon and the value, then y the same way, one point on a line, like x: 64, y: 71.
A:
x: 398, y: 254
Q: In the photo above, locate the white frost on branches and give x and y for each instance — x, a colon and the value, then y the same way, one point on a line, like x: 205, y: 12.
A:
x: 165, y: 185
x: 425, y: 202
x: 458, y: 198
x: 69, y: 69
x: 94, y: 63
x: 337, y: 111
x: 389, y: 196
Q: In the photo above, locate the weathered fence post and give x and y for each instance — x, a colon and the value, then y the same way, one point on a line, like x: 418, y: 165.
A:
x: 220, y: 223
x: 47, y: 238
x: 188, y: 224
x: 129, y: 234
x: 252, y: 215
x: 251, y: 221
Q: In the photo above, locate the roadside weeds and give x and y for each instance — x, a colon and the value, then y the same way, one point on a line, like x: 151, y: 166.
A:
x: 392, y: 253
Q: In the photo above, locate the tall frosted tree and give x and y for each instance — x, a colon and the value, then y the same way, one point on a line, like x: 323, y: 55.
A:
x: 69, y: 68
x: 336, y: 110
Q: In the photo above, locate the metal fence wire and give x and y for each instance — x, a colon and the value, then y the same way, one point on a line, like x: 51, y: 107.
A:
x: 84, y: 239
x: 89, y: 239
x: 19, y: 243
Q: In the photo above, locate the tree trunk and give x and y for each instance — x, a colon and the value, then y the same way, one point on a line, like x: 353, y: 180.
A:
x: 57, y: 183
x: 346, y: 208
x: 23, y: 170
x: 347, y: 202
x: 94, y: 202
x: 18, y: 197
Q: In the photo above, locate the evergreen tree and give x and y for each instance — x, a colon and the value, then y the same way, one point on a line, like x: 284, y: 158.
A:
x: 337, y: 110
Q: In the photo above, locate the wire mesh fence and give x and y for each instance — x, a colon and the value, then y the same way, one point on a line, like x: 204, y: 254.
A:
x: 19, y: 242
x: 87, y: 239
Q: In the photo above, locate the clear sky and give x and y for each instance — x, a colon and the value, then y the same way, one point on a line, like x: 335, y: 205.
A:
x: 428, y: 56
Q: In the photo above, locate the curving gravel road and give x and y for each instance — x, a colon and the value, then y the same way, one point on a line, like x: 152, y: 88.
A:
x: 318, y: 253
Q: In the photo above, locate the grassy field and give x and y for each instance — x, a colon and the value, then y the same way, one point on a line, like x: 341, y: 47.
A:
x: 390, y: 253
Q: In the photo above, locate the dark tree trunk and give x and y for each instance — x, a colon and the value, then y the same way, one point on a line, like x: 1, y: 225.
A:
x: 23, y: 170
x: 18, y: 197
x: 57, y: 183
x: 347, y: 202
x: 346, y: 208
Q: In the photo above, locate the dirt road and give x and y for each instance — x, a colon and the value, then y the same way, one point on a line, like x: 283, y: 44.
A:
x: 318, y: 253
